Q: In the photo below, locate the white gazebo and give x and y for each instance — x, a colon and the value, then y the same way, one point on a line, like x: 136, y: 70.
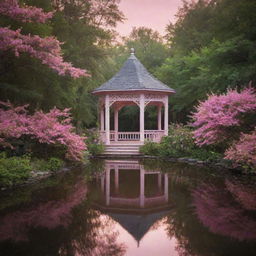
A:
x: 132, y: 85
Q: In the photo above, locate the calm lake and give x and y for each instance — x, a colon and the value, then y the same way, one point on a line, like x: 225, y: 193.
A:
x: 130, y: 207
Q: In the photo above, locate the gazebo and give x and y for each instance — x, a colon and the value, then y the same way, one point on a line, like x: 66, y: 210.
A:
x: 132, y: 85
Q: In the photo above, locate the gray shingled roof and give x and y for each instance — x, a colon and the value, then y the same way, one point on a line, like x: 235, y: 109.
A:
x: 133, y: 76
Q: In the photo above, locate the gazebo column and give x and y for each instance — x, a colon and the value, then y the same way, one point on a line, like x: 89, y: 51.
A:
x: 142, y: 109
x: 166, y: 115
x: 116, y: 123
x: 102, y: 118
x: 107, y: 119
x: 159, y: 118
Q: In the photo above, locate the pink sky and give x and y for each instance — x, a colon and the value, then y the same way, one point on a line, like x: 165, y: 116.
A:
x: 155, y: 14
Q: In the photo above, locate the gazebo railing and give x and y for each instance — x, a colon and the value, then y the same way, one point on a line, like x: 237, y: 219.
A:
x: 153, y: 135
x: 150, y: 135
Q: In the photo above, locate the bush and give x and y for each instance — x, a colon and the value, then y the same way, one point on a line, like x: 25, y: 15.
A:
x: 94, y: 145
x: 14, y: 170
x: 178, y: 143
x: 53, y: 164
x: 206, y: 155
x: 243, y: 151
x: 150, y: 148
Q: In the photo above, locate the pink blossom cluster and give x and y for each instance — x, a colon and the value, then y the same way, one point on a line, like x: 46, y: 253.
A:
x: 47, y: 50
x: 244, y: 150
x: 12, y: 9
x: 215, y: 116
x: 51, y: 128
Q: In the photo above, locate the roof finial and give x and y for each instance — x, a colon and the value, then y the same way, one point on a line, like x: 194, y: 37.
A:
x: 132, y: 51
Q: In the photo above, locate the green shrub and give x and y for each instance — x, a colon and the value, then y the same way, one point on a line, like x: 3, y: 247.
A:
x: 178, y: 143
x: 150, y: 148
x: 95, y: 149
x: 14, y: 170
x: 94, y: 145
x: 206, y: 155
x: 53, y: 164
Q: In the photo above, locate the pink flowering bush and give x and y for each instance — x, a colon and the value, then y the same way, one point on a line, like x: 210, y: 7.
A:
x: 53, y: 128
x: 220, y: 119
x: 47, y: 50
x: 12, y: 9
x: 244, y: 150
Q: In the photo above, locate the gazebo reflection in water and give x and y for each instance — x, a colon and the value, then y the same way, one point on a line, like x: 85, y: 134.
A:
x: 133, y: 196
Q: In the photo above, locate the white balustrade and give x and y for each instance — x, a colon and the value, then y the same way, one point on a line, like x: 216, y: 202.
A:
x: 154, y: 135
x: 150, y: 135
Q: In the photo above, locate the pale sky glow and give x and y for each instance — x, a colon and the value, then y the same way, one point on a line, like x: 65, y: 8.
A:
x: 155, y: 14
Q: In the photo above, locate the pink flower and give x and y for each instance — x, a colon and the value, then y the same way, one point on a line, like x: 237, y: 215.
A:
x: 243, y: 150
x: 12, y: 9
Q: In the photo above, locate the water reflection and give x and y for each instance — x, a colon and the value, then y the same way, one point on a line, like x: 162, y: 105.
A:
x: 130, y: 207
x: 132, y: 196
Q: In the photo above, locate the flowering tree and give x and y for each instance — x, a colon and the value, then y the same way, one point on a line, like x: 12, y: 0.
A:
x: 50, y: 128
x: 244, y: 150
x: 216, y: 118
x: 47, y: 50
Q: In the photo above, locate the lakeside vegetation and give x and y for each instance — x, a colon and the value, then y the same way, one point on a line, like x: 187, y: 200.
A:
x: 46, y: 105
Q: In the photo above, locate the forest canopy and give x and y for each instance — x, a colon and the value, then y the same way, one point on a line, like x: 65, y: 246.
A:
x: 210, y: 48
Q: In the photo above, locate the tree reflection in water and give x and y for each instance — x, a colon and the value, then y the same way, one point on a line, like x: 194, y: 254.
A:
x: 200, y: 212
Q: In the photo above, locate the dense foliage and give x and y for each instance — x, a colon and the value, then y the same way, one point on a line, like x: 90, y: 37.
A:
x: 84, y: 27
x: 178, y: 144
x: 14, y: 170
x: 212, y: 49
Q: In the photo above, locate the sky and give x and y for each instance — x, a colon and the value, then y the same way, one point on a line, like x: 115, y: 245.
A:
x: 155, y: 14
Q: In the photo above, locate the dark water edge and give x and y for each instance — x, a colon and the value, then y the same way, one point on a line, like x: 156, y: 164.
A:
x: 131, y: 207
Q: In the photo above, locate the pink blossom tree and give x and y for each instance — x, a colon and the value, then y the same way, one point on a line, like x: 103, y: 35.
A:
x: 219, y: 117
x: 244, y: 150
x: 53, y: 128
x: 47, y: 50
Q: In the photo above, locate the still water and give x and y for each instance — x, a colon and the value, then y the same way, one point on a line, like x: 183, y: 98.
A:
x: 129, y: 207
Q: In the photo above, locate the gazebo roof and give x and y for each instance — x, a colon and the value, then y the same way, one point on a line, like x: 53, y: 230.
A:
x: 133, y: 76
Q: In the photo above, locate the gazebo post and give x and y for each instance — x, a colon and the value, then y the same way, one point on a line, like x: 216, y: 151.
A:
x: 107, y: 121
x: 102, y: 118
x: 116, y: 123
x: 166, y: 115
x: 142, y: 109
x: 159, y: 117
